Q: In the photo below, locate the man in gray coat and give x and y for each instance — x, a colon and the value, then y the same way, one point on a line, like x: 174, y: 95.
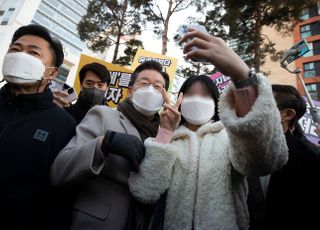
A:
x: 108, y: 145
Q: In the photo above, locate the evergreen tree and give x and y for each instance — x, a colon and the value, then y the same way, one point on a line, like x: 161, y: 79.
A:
x: 245, y: 19
x: 107, y: 21
x: 130, y: 52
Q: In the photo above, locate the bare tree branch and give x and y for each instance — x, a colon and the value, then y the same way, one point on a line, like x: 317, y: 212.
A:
x: 161, y: 16
x: 115, y: 16
x: 106, y: 37
x: 176, y: 5
x: 183, y: 8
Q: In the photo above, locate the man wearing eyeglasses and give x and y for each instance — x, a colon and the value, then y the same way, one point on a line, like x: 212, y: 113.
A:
x: 108, y: 145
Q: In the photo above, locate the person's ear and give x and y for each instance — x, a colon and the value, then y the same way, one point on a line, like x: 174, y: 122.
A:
x: 130, y: 91
x: 288, y: 114
x: 53, y: 74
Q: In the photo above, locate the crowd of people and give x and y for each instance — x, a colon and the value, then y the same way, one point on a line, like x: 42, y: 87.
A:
x: 238, y: 160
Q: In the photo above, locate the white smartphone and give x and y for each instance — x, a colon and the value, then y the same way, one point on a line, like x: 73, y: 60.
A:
x: 183, y: 30
x: 72, y: 95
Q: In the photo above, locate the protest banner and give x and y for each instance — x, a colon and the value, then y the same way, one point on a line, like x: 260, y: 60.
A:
x: 169, y: 64
x: 307, y: 124
x: 220, y: 80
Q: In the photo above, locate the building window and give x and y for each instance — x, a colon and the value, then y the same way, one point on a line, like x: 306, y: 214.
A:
x: 311, y: 69
x: 314, y: 49
x: 7, y: 17
x: 9, y: 11
x: 310, y: 53
x: 313, y: 89
x: 307, y: 13
x: 310, y: 29
x: 305, y: 31
x: 313, y: 11
x: 304, y: 15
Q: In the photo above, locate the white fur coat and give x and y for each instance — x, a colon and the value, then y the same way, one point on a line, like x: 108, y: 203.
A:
x: 204, y: 171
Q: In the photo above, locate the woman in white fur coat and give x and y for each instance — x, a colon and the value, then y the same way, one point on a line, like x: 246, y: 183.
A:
x: 202, y: 162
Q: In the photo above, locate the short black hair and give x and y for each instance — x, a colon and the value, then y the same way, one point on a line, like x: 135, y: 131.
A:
x: 209, y: 85
x: 287, y: 96
x: 100, y: 70
x: 152, y: 65
x: 41, y: 31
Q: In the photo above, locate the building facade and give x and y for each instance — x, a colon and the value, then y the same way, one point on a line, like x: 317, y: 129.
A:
x: 309, y: 29
x: 61, y: 17
x: 276, y: 74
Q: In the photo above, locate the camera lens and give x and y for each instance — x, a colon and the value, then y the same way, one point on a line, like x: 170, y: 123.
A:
x: 70, y: 91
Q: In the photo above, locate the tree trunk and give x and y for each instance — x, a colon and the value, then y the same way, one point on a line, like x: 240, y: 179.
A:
x: 165, y: 29
x: 256, y: 44
x: 116, y: 49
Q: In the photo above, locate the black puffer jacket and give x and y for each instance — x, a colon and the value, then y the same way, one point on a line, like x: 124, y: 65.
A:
x: 32, y: 132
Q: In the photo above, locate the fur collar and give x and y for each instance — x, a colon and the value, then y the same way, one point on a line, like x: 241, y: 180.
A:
x: 210, y: 127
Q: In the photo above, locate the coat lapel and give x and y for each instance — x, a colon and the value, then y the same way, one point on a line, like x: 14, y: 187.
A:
x: 128, y: 127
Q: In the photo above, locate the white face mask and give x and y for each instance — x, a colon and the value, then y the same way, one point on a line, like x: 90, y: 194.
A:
x: 197, y: 110
x: 147, y: 101
x: 21, y: 67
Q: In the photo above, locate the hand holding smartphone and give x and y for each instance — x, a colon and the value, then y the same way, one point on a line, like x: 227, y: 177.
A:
x: 183, y: 30
x: 72, y: 95
x: 201, y: 45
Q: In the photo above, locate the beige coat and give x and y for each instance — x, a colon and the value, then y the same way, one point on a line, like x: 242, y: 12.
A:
x: 205, y: 172
x: 103, y: 200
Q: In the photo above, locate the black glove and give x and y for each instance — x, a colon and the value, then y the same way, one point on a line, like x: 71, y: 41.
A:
x: 125, y: 145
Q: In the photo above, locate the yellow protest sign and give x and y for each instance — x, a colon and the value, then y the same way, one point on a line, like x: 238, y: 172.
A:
x: 120, y: 78
x: 169, y: 64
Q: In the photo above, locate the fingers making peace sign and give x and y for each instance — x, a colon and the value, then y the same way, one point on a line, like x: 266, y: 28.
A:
x: 170, y: 116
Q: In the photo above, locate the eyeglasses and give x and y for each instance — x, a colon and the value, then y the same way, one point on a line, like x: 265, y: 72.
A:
x: 143, y: 83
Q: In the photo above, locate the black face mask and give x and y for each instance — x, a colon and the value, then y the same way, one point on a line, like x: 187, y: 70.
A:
x: 91, y: 96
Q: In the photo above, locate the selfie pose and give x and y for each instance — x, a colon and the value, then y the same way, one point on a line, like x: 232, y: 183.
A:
x: 199, y: 163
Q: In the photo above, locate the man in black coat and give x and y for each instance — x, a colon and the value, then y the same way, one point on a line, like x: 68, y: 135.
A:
x: 290, y: 197
x: 32, y: 132
x: 94, y: 83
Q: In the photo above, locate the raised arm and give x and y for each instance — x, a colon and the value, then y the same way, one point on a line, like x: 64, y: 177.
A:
x: 249, y: 112
x: 258, y: 145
